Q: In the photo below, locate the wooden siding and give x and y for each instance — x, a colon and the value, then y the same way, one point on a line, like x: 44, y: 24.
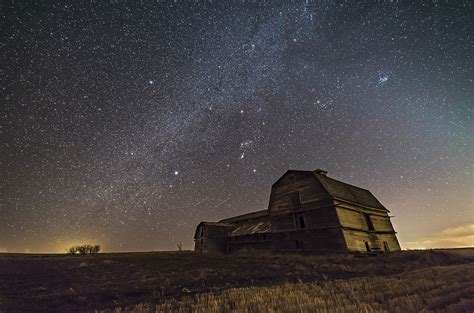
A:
x: 210, y: 239
x: 391, y: 240
x: 358, y: 207
x: 308, y: 187
x: 299, y: 240
x: 313, y: 218
x: 354, y: 218
x: 318, y: 240
x: 350, y: 218
x: 382, y: 223
x: 283, y: 222
x: 320, y: 217
x: 356, y: 241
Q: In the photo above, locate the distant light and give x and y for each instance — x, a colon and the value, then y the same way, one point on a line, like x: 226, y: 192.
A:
x: 241, y: 111
x: 176, y: 172
x: 254, y: 170
x: 151, y: 82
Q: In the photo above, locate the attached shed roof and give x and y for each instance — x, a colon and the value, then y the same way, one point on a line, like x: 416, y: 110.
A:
x: 244, y: 217
x: 253, y: 228
x: 218, y: 224
x: 214, y: 225
x: 347, y: 192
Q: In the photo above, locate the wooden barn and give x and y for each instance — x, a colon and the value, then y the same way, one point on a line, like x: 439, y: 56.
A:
x: 308, y: 211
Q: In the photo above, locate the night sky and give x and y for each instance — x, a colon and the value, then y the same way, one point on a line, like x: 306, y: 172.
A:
x: 125, y: 124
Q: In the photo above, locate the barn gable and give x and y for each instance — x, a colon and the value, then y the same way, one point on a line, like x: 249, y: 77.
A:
x: 296, y: 190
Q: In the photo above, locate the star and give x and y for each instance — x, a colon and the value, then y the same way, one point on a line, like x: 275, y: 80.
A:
x: 382, y: 79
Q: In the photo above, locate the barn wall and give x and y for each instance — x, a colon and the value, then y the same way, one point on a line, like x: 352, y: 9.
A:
x: 355, y: 241
x: 350, y: 218
x: 283, y: 222
x: 355, y: 219
x: 320, y: 217
x: 309, y: 188
x: 319, y: 240
x: 316, y: 218
x: 211, y: 240
x: 250, y: 242
x: 299, y: 240
x: 381, y: 223
x: 346, y: 205
x: 391, y: 240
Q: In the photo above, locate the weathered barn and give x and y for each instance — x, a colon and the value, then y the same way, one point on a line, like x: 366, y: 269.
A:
x: 308, y: 211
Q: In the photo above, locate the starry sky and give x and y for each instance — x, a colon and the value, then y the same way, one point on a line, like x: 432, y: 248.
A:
x: 126, y: 123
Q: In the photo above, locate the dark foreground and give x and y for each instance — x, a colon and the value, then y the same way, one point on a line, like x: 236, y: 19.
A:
x: 59, y: 283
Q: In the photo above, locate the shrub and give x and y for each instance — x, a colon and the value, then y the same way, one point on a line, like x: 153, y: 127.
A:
x: 83, y: 250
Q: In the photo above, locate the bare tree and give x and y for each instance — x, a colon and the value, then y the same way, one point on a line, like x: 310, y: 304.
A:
x: 83, y: 250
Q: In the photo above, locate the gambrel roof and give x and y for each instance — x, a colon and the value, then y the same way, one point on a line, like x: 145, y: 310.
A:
x: 346, y: 192
x: 342, y: 191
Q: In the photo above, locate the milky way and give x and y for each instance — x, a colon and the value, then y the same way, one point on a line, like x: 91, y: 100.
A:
x: 127, y: 123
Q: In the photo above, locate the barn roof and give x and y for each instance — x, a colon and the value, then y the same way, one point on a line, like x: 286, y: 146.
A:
x: 219, y: 224
x: 243, y: 217
x: 347, y: 192
x: 253, y: 228
x: 225, y: 227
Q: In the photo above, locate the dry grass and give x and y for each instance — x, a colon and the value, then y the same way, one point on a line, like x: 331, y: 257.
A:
x: 459, y: 251
x: 59, y: 283
x: 437, y: 289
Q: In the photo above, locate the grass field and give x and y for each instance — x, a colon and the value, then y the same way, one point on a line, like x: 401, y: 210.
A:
x: 408, y: 281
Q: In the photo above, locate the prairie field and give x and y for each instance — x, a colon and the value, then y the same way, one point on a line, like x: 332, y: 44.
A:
x: 408, y: 281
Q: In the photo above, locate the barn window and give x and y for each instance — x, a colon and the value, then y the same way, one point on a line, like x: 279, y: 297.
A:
x: 367, y: 247
x: 264, y: 237
x: 202, y: 231
x: 295, y: 200
x: 368, y: 221
x: 386, y: 247
x: 299, y: 244
x: 301, y: 221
